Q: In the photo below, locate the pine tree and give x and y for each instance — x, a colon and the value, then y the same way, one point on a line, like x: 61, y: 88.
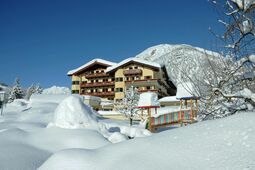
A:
x: 16, y: 91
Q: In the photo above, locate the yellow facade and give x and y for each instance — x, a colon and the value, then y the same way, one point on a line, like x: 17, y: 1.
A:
x: 95, y: 80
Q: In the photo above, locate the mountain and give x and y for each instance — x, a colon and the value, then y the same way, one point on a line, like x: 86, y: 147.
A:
x: 56, y: 90
x: 182, y: 60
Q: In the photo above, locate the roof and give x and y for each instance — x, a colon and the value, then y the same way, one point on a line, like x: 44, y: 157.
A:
x: 186, y: 90
x: 169, y: 99
x: 137, y: 60
x: 97, y: 60
x: 148, y: 100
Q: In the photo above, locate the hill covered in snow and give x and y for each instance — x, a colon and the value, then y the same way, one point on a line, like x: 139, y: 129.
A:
x: 56, y: 90
x: 181, y: 59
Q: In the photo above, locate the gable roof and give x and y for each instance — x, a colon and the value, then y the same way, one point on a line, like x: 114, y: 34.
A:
x: 136, y: 60
x: 97, y: 60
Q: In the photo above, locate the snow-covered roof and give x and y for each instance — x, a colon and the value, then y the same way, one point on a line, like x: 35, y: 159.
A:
x: 186, y: 90
x: 148, y: 99
x: 137, y: 60
x: 169, y: 99
x: 109, y: 63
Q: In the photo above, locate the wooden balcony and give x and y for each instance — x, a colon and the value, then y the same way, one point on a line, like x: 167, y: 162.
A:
x: 143, y: 81
x: 132, y: 72
x: 94, y: 75
x: 99, y: 94
x: 98, y: 84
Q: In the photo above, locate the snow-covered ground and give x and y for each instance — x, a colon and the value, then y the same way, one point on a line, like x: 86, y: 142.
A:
x: 57, y: 132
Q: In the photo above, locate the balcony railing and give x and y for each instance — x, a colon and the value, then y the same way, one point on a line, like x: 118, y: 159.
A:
x: 93, y: 75
x: 132, y: 72
x: 98, y: 84
x: 99, y: 94
x: 142, y: 80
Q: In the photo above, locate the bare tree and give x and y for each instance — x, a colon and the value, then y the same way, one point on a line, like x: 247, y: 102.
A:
x: 227, y: 85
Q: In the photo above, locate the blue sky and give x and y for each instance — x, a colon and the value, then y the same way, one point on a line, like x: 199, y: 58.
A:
x: 40, y: 40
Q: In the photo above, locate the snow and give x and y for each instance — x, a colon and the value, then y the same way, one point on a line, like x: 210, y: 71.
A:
x: 56, y: 90
x: 164, y: 110
x: 137, y: 60
x: 246, y: 93
x: 117, y: 137
x: 148, y: 99
x: 72, y: 113
x: 246, y: 26
x: 169, y: 99
x: 190, y: 61
x: 217, y: 144
x: 252, y: 58
x: 185, y: 90
x: 244, y: 4
x: 102, y: 112
x: 27, y: 143
x: 109, y: 63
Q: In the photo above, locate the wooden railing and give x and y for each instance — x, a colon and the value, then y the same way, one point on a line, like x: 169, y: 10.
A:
x: 93, y: 75
x: 99, y: 94
x: 98, y: 84
x: 132, y: 72
x: 181, y: 117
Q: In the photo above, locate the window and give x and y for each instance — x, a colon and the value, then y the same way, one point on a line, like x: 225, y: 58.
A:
x: 135, y: 67
x: 119, y: 89
x: 112, y: 89
x: 118, y: 100
x: 119, y: 79
x: 130, y: 68
x: 147, y: 77
x: 96, y: 80
x: 97, y: 71
x: 92, y: 81
x: 75, y: 91
x: 148, y: 87
x: 102, y: 71
x: 75, y: 82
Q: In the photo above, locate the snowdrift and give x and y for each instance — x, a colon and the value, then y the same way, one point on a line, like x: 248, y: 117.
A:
x: 219, y: 144
x: 72, y: 113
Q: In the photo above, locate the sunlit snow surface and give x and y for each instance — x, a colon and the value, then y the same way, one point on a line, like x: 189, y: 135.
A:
x: 26, y: 143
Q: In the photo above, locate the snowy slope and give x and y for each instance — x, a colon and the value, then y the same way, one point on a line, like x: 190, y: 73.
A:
x: 180, y: 58
x: 219, y: 144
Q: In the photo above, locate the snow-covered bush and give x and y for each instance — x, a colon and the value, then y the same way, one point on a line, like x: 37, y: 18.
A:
x: 33, y: 89
x: 127, y: 106
x: 16, y: 92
